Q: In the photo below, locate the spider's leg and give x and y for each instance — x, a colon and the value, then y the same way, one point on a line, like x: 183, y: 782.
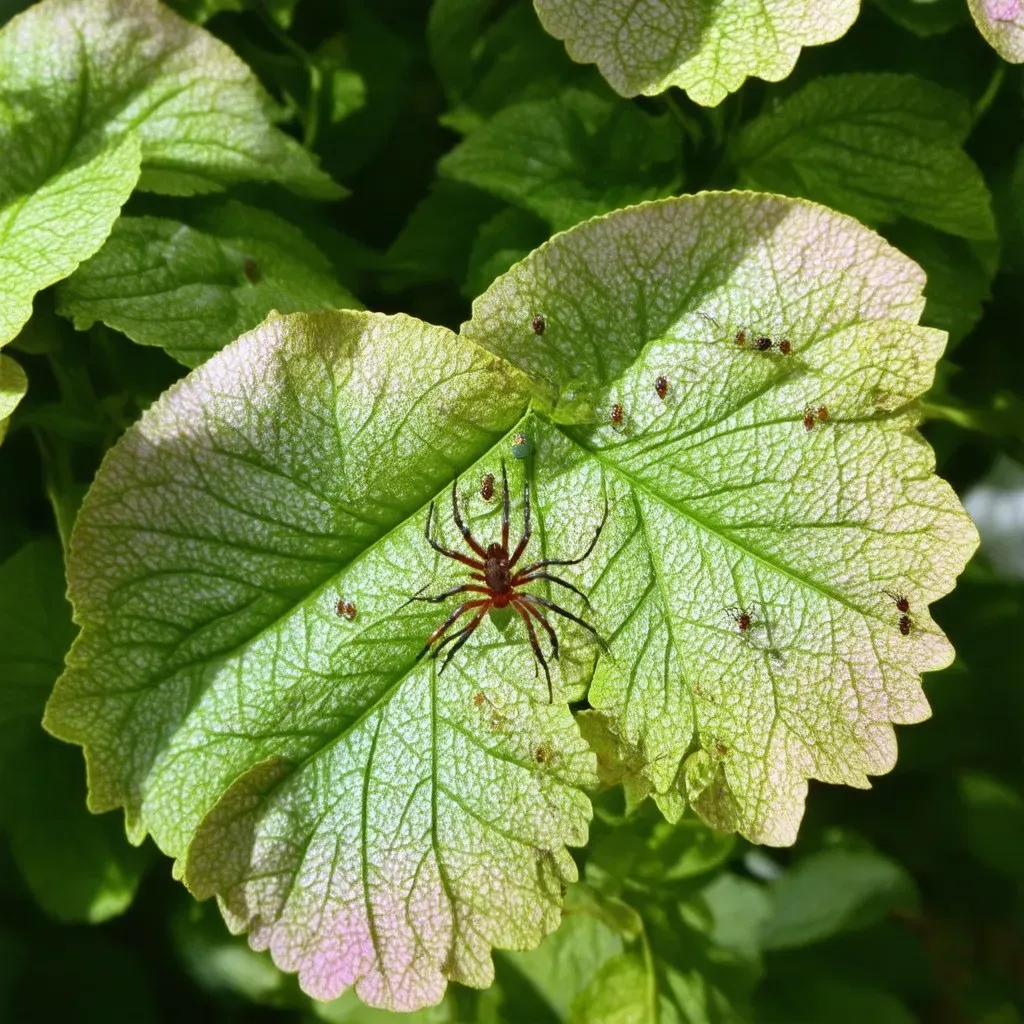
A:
x: 535, y: 644
x: 458, y: 556
x: 552, y: 635
x: 461, y: 610
x: 521, y: 546
x: 464, y: 635
x: 572, y: 561
x: 450, y: 637
x: 551, y: 606
x: 463, y: 528
x: 504, y: 507
x: 520, y: 579
x: 466, y: 588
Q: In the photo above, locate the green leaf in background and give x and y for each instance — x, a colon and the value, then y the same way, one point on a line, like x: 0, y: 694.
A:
x: 570, y: 158
x: 1001, y: 22
x: 706, y: 48
x: 13, y: 385
x: 200, y: 115
x: 813, y: 1000
x: 877, y: 146
x: 834, y: 891
x: 994, y: 822
x: 503, y: 240
x: 724, y: 499
x: 565, y: 962
x: 437, y: 239
x: 52, y: 219
x: 377, y: 825
x: 960, y: 274
x: 78, y: 867
x: 193, y: 287
x: 485, y: 65
x: 925, y: 17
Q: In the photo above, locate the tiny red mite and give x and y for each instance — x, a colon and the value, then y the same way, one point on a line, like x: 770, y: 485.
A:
x: 661, y: 387
x: 487, y: 486
x: 346, y: 609
x: 539, y: 324
x: 784, y: 347
x: 540, y: 755
x: 762, y: 344
x: 822, y: 412
x: 809, y: 420
x: 905, y: 625
x: 902, y: 604
x: 478, y: 699
x: 251, y: 270
x: 741, y: 338
x: 617, y: 415
x: 721, y: 749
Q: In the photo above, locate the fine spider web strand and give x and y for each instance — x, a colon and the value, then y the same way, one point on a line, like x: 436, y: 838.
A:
x: 457, y: 555
x: 535, y: 644
x: 520, y: 580
x: 537, y: 599
x: 463, y: 528
x: 571, y: 561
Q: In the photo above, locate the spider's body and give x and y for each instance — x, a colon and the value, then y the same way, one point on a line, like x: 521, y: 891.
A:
x: 499, y: 585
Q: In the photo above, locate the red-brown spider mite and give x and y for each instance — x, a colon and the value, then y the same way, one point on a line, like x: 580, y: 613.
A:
x: 902, y: 604
x: 809, y: 420
x: 741, y: 338
x: 905, y: 625
x: 784, y: 347
x: 741, y: 617
x: 346, y: 609
x: 661, y: 387
x: 538, y: 324
x: 479, y: 698
x: 617, y: 415
x: 762, y: 344
x: 822, y: 411
x: 487, y: 487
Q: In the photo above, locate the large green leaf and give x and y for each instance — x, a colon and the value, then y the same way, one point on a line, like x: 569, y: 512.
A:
x: 570, y: 158
x: 875, y: 146
x: 194, y: 287
x: 1001, y: 22
x: 83, y: 85
x: 375, y: 824
x: 78, y: 867
x: 707, y: 47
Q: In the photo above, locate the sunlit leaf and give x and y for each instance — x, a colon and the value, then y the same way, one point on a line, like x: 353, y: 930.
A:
x: 707, y: 48
x: 1001, y: 22
x: 724, y: 499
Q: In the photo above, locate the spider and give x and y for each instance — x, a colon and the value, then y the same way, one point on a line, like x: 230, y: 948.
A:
x: 500, y: 586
